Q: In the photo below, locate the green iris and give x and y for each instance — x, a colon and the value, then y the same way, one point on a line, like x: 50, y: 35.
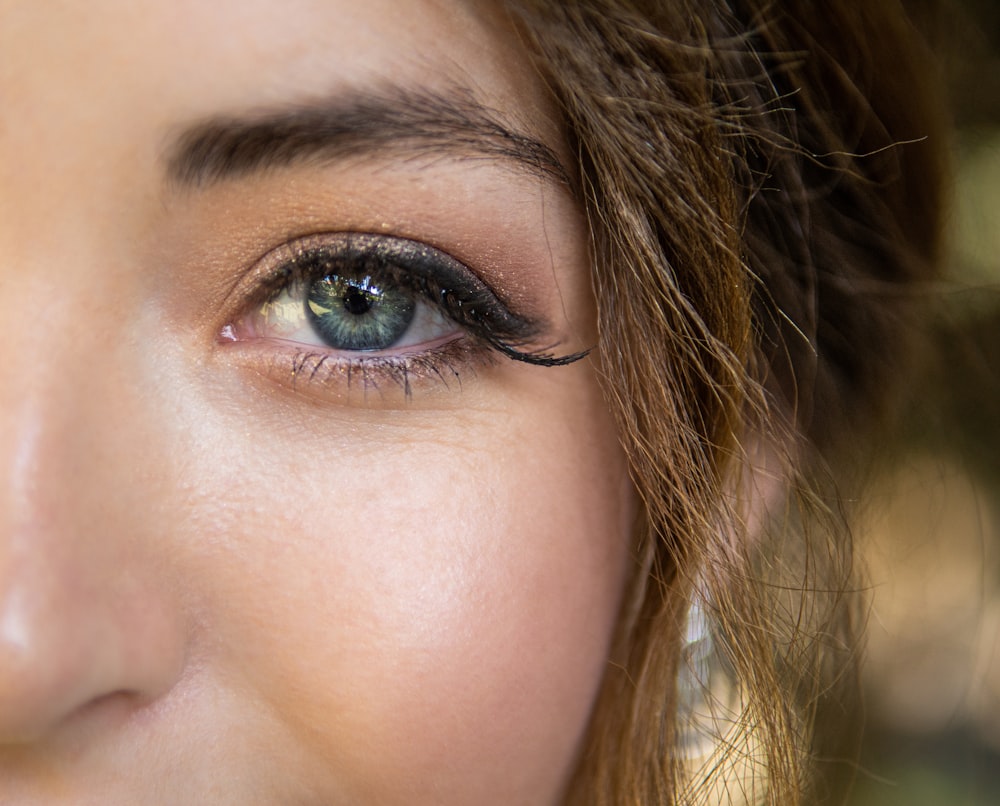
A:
x: 358, y: 313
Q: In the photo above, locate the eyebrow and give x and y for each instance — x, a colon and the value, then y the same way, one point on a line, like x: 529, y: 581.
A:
x: 355, y: 124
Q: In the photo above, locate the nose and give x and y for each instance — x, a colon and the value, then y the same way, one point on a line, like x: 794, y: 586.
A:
x: 88, y: 620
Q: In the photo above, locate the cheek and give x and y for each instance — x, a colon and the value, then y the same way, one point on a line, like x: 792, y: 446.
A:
x: 428, y: 614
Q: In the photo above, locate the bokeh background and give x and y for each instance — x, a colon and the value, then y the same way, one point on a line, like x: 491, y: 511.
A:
x: 931, y: 541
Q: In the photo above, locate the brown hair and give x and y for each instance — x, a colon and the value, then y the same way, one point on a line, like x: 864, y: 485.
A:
x: 762, y: 182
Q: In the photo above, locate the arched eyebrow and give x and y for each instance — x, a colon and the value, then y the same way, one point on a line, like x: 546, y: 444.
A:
x: 353, y: 124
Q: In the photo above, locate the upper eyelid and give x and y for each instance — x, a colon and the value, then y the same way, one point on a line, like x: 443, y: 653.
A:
x: 415, y: 265
x: 508, y: 333
x: 414, y: 259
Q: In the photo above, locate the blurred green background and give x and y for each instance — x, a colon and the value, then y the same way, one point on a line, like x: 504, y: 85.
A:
x: 931, y: 543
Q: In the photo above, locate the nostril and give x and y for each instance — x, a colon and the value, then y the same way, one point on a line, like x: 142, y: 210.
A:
x: 105, y: 710
x: 102, y: 715
x: 90, y: 621
x: 44, y: 680
x: 41, y: 695
x: 69, y: 656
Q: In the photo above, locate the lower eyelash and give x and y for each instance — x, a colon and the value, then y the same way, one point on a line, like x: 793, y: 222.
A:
x: 444, y: 366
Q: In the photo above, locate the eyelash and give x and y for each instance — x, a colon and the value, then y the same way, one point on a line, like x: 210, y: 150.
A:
x: 426, y: 276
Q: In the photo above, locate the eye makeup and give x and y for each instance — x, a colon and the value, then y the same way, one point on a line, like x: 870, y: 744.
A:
x: 350, y: 305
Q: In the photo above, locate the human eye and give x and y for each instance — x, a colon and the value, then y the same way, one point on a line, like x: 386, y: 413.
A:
x: 374, y: 307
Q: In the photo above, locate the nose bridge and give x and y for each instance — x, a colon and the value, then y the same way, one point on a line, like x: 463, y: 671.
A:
x: 40, y: 366
x: 56, y: 378
x: 77, y: 609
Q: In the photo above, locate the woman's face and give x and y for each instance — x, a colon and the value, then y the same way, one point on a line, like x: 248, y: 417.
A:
x: 280, y: 522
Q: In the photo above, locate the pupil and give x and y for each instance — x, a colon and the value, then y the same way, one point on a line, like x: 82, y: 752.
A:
x: 357, y: 302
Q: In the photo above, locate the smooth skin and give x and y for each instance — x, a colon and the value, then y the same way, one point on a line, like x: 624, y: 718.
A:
x: 225, y: 583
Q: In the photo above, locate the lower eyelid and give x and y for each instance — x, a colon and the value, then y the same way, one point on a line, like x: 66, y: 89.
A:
x: 398, y: 352
x: 445, y: 366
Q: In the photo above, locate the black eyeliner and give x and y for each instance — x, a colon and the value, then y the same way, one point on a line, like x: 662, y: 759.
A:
x: 434, y: 275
